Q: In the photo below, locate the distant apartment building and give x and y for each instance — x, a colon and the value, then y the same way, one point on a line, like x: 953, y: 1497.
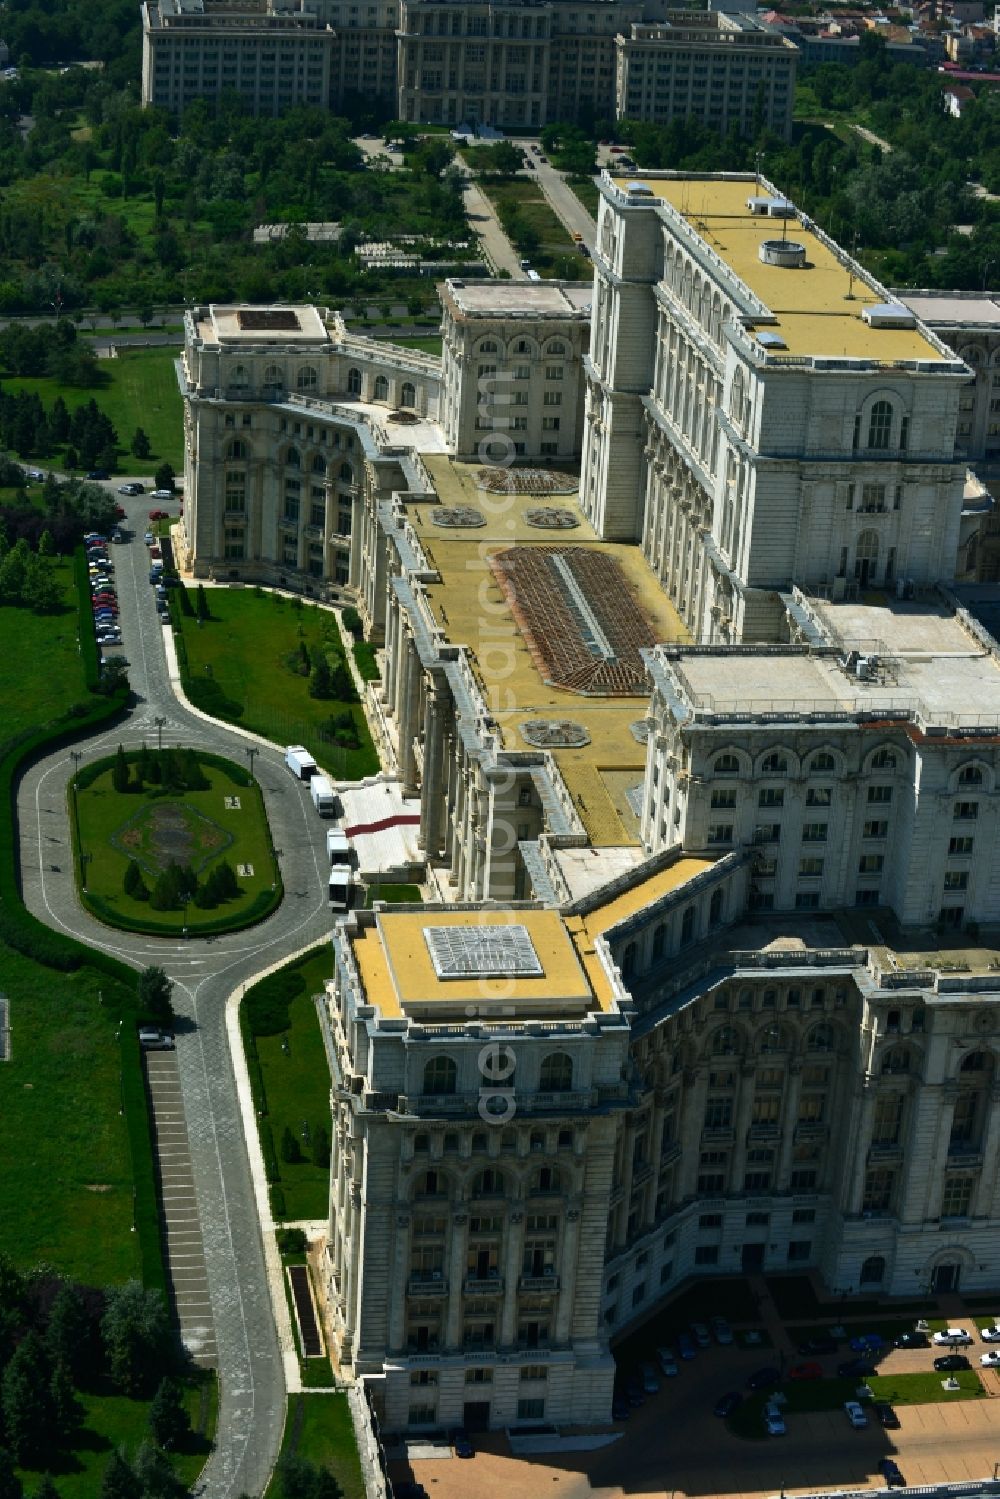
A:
x: 729, y: 72
x: 969, y: 323
x: 272, y: 58
x: 510, y: 64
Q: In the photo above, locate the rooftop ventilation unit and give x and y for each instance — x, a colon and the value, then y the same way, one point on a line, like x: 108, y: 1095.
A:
x: 639, y: 190
x: 768, y: 207
x: 889, y: 315
x: 770, y: 340
x: 783, y: 252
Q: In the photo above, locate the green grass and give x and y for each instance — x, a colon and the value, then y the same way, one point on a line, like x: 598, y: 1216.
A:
x: 809, y: 1395
x: 65, y: 1173
x: 396, y: 894
x: 139, y: 390
x: 925, y: 1388
x: 40, y: 670
x: 587, y: 191
x: 109, y: 821
x: 297, y: 1085
x: 425, y: 345
x: 111, y: 1421
x: 318, y: 1427
x: 245, y: 647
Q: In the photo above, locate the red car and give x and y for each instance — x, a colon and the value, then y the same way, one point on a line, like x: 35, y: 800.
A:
x: 805, y: 1371
x: 158, y: 515
x: 120, y: 512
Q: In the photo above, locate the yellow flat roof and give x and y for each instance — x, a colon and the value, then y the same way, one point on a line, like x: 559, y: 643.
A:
x: 399, y: 977
x: 814, y: 315
x: 640, y: 895
x: 472, y: 610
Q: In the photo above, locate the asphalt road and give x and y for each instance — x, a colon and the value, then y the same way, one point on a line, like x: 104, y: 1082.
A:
x: 205, y: 972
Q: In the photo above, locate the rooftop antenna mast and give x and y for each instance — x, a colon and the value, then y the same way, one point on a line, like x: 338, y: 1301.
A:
x: 850, y: 269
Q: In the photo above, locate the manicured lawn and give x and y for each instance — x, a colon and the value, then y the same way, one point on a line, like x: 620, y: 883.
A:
x: 425, y: 345
x: 40, y: 670
x: 318, y: 1427
x: 65, y: 1173
x: 925, y: 1388
x: 245, y: 649
x: 139, y: 390
x: 586, y: 190
x: 158, y: 827
x: 398, y: 894
x: 111, y: 1421
x: 829, y: 1395
x: 297, y: 1085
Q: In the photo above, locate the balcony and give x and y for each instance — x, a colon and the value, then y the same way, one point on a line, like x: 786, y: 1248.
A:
x: 430, y: 1283
x: 885, y: 1150
x: 718, y: 1134
x: 764, y: 1130
x: 964, y: 1153
x: 538, y: 1283
x: 810, y: 1129
x: 488, y: 1285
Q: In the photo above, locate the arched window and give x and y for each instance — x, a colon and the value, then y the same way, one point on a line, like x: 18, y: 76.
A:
x: 976, y: 1061
x: 820, y: 1038
x: 896, y: 1060
x: 440, y: 1075
x: 970, y: 775
x: 239, y: 379
x: 725, y: 1042
x: 715, y: 908
x: 522, y: 346
x: 774, y: 764
x: 274, y: 377
x: 430, y: 1184
x: 628, y: 960
x: 545, y: 1179
x: 236, y: 452
x: 873, y: 1270
x: 381, y: 388
x: 659, y: 937
x: 488, y: 346
x: 306, y: 379
x: 319, y: 464
x: 687, y: 926
x: 880, y: 425
x: 726, y: 765
x: 821, y: 763
x: 408, y: 394
x: 772, y: 1038
x: 293, y: 458
x: 883, y: 759
x: 556, y: 1073
x: 488, y: 1183
x: 346, y: 474
x: 353, y: 382
x: 556, y: 347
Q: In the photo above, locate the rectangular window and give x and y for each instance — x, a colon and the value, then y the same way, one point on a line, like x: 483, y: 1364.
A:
x: 804, y: 1215
x: 960, y: 845
x: 723, y: 800
x: 718, y: 1113
x: 956, y: 879
x: 552, y: 398
x: 873, y: 497
x: 522, y: 372
x: 807, y: 900
x: 811, y: 1108
x: 866, y: 897
x: 533, y: 1372
x: 870, y: 864
x: 956, y: 1198
x: 531, y: 1410
x: 814, y: 832
x: 720, y: 832
x: 767, y: 832
x: 550, y: 424
x: 234, y: 544
x: 553, y: 372
x: 879, y: 794
x: 818, y: 796
x: 799, y: 1249
x: 877, y: 829
x: 706, y: 1254
x: 810, y: 869
x: 966, y: 811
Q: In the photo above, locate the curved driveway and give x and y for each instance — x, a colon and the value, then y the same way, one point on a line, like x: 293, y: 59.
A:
x: 205, y: 972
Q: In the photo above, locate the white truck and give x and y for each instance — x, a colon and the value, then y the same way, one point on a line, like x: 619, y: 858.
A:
x: 340, y: 887
x: 338, y: 847
x: 322, y: 795
x: 300, y: 762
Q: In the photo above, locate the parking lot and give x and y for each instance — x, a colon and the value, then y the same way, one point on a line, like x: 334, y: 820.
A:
x: 673, y: 1444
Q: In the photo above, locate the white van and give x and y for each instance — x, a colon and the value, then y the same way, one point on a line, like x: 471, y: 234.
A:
x: 338, y: 847
x: 300, y: 762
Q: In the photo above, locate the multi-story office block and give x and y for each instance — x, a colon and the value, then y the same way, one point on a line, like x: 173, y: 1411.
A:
x: 511, y: 373
x: 480, y: 1067
x: 729, y: 72
x: 274, y: 57
x: 759, y: 409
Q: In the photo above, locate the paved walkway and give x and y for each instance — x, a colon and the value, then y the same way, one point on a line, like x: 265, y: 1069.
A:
x: 205, y: 974
x: 483, y: 219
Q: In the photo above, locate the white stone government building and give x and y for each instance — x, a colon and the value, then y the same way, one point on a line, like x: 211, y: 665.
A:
x: 705, y: 733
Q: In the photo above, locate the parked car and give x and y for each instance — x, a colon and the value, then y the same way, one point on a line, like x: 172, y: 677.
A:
x: 634, y: 1393
x: 764, y: 1379
x: 685, y: 1346
x: 152, y: 1039
x: 460, y: 1441
x: 722, y: 1331
x: 726, y: 1404
x: 701, y: 1335
x: 149, y: 538
x: 990, y: 1334
x: 158, y: 515
x: 163, y: 494
x: 856, y: 1368
x: 868, y: 1342
x: 665, y: 1356
x: 950, y: 1337
x: 650, y: 1382
x: 855, y: 1413
x: 889, y: 1470
x: 98, y: 473
x: 885, y: 1415
x: 912, y: 1340
x: 119, y: 514
x: 805, y: 1371
x: 818, y: 1345
x: 133, y: 487
x: 949, y: 1362
x: 774, y: 1421
x: 990, y: 1360
x: 34, y: 474
x: 620, y: 1410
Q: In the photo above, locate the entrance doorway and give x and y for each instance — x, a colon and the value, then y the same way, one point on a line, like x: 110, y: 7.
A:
x: 946, y: 1278
x: 753, y: 1257
x: 866, y: 558
x: 476, y: 1415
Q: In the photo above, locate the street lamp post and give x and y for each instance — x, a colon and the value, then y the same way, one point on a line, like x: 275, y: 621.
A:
x: 277, y: 855
x: 84, y: 861
x: 250, y: 752
x: 159, y: 722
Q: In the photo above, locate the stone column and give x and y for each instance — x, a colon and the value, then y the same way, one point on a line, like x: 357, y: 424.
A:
x: 456, y: 1275
x: 628, y: 1147
x: 856, y: 1156
x: 409, y: 707
x: 790, y: 1115
x: 511, y: 1275
x: 744, y: 1114
x: 948, y: 1094
x: 691, y: 1125
x: 398, y: 1285
x: 567, y: 1275
x: 430, y: 799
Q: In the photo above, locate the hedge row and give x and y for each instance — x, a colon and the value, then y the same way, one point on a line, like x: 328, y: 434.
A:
x: 90, y: 773
x: 20, y: 930
x: 259, y: 909
x: 365, y: 661
x: 88, y: 638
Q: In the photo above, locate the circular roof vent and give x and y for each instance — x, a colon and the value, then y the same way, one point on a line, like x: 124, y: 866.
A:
x: 457, y: 517
x: 555, y: 733
x: 551, y: 518
x: 785, y: 252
